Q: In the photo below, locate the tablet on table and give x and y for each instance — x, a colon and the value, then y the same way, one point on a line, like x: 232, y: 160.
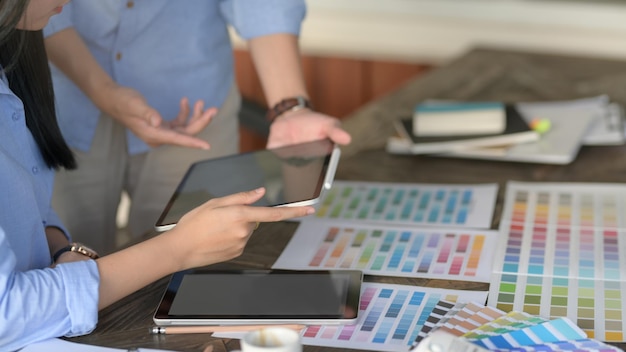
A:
x: 242, y: 297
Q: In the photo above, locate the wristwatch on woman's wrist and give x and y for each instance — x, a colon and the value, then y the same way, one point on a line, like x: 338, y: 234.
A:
x: 288, y: 104
x: 78, y: 248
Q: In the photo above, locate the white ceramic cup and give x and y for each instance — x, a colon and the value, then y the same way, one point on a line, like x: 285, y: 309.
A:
x: 271, y: 339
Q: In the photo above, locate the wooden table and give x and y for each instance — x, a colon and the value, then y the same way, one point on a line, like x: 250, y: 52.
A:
x: 482, y: 74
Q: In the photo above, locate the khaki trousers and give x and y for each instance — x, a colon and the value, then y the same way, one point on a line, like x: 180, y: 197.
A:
x: 87, y: 199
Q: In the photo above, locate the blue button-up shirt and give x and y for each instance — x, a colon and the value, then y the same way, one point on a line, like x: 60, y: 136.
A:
x: 165, y: 49
x: 36, y: 302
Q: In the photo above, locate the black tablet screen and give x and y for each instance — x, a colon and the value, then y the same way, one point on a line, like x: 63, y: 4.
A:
x: 262, y: 294
x: 290, y: 175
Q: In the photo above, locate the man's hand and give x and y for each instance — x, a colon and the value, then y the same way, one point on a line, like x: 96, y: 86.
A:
x: 131, y: 109
x: 304, y: 126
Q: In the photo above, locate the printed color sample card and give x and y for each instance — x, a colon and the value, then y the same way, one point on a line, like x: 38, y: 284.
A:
x: 495, y: 330
x: 390, y: 318
x: 410, y: 203
x: 449, y: 254
x: 562, y: 252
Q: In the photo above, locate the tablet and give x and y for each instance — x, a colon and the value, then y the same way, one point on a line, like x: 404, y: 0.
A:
x: 241, y: 297
x: 292, y: 176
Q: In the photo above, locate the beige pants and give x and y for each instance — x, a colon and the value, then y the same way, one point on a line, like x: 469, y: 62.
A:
x: 86, y: 199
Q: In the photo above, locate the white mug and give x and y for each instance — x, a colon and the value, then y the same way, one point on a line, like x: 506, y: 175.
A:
x: 271, y: 339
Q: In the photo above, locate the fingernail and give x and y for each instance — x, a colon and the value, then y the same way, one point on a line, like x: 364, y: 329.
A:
x: 310, y: 211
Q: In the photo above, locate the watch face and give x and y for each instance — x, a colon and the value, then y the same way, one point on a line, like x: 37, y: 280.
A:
x: 82, y: 249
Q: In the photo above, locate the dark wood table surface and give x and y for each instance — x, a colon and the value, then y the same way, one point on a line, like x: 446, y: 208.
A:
x: 482, y: 74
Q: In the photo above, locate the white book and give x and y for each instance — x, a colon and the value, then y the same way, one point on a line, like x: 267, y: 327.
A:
x: 517, y: 131
x: 437, y: 118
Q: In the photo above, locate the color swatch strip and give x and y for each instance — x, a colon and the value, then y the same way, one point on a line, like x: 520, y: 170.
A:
x: 514, y: 331
x: 440, y: 310
x: 453, y: 254
x: 561, y: 329
x: 410, y: 204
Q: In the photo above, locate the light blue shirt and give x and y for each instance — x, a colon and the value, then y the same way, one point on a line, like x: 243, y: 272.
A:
x: 163, y: 48
x: 36, y: 302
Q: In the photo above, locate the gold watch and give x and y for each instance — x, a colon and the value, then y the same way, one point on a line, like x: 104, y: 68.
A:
x: 78, y: 248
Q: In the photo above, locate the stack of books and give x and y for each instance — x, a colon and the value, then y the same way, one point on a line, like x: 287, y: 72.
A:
x: 453, y: 129
x: 444, y: 127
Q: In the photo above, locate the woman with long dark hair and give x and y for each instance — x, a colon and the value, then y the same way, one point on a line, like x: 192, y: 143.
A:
x: 49, y: 286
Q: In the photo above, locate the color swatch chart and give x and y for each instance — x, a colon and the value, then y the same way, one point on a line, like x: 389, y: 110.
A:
x: 448, y: 254
x: 410, y: 203
x: 390, y: 317
x: 495, y: 330
x: 562, y: 253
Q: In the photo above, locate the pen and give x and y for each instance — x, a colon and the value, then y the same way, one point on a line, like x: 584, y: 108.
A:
x: 220, y: 328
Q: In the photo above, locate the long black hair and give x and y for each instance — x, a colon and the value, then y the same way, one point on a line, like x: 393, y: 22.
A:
x: 24, y: 62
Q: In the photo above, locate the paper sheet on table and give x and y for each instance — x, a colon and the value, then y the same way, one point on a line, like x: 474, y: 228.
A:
x: 412, y: 204
x: 436, y: 253
x: 561, y: 253
x: 390, y: 318
x: 68, y: 346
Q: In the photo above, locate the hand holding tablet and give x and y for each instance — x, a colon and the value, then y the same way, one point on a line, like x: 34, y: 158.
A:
x: 293, y: 175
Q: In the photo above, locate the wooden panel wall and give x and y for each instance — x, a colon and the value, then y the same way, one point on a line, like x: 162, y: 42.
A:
x: 337, y: 86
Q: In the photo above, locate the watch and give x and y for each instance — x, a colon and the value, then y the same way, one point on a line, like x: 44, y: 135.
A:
x: 78, y: 248
x: 288, y: 104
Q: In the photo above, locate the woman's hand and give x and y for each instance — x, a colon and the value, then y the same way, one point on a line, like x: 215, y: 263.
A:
x: 219, y: 229
x: 214, y: 232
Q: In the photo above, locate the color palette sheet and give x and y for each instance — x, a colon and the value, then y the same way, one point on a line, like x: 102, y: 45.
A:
x: 410, y: 203
x: 438, y: 253
x: 562, y: 253
x: 390, y: 317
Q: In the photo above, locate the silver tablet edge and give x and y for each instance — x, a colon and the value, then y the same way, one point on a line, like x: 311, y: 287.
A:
x: 234, y: 322
x: 332, y: 167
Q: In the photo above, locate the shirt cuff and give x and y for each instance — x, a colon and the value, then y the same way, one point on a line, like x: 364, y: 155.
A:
x: 81, y: 281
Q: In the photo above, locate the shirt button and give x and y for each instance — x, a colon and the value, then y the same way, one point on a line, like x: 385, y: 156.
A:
x: 118, y: 56
x: 35, y: 170
x: 15, y: 116
x: 130, y: 4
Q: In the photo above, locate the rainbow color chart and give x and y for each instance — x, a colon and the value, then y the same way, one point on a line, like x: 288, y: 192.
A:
x: 448, y: 254
x: 410, y: 203
x: 563, y: 254
x: 390, y: 318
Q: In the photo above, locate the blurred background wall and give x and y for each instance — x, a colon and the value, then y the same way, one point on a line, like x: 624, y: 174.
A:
x: 357, y: 50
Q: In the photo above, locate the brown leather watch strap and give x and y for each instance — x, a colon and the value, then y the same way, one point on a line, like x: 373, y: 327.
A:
x: 288, y: 104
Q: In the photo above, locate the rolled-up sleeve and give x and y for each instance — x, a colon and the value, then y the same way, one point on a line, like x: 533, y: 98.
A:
x: 43, y: 303
x: 253, y: 18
